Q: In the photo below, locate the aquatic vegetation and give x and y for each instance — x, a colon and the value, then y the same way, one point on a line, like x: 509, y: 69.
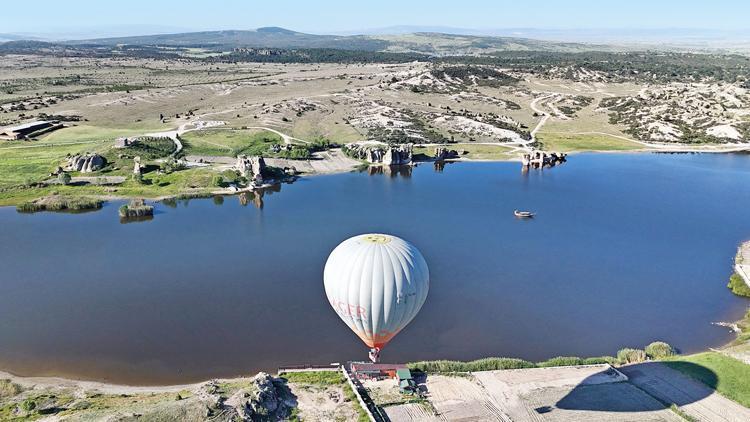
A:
x: 60, y: 203
x: 135, y: 209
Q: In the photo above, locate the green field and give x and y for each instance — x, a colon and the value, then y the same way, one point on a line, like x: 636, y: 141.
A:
x: 473, y: 151
x: 727, y: 375
x: 85, y: 133
x: 229, y: 142
x: 563, y: 142
x: 316, y: 377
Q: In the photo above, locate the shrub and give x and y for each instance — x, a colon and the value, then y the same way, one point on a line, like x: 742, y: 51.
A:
x: 217, y: 181
x: 600, y: 360
x: 659, y: 350
x: 28, y: 405
x: 171, y: 165
x: 296, y: 153
x: 9, y: 389
x: 628, y: 355
x: 64, y: 178
x: 561, y: 361
x: 486, y: 364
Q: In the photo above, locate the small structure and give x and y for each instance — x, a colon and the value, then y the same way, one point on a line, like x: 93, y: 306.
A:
x: 27, y: 130
x: 375, y: 371
x: 406, y: 383
x: 124, y: 142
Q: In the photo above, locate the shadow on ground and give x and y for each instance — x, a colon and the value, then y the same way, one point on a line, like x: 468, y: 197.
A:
x: 590, y: 394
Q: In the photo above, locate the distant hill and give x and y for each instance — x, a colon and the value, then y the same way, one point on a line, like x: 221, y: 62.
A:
x: 432, y: 43
x: 270, y: 37
x: 15, y: 37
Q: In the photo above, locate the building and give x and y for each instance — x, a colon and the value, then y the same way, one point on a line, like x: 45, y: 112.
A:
x: 377, y: 371
x: 406, y: 383
x: 27, y: 130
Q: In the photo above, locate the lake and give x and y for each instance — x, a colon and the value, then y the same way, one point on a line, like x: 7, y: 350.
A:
x: 626, y: 249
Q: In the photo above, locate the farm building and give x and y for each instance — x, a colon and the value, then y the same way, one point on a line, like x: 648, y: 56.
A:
x: 27, y: 130
x: 366, y: 370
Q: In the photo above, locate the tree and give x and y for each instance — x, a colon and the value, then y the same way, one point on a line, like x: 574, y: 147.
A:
x: 64, y: 178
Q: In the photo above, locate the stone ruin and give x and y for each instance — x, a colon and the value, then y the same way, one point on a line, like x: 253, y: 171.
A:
x: 390, y: 155
x: 540, y: 159
x: 86, y: 163
x: 253, y: 168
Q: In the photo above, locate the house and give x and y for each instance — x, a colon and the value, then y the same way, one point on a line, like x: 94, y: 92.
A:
x: 26, y: 130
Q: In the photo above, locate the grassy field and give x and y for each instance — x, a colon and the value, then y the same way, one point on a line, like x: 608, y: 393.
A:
x: 727, y: 375
x: 319, y: 377
x: 21, y: 161
x: 563, y: 142
x: 190, y: 181
x: 224, y: 142
x: 473, y: 151
x: 86, y: 133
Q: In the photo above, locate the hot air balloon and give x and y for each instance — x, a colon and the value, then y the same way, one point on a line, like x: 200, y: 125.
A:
x: 376, y: 283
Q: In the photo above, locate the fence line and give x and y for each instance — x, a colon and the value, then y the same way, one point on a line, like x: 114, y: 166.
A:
x: 373, y: 413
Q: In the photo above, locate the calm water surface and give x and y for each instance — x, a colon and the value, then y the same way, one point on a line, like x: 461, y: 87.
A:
x: 626, y: 249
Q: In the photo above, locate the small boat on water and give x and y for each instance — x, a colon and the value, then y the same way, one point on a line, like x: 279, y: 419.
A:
x: 524, y: 214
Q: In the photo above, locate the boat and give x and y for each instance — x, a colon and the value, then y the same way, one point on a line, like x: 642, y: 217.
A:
x: 524, y: 214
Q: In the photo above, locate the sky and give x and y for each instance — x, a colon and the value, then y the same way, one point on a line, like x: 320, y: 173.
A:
x: 321, y: 16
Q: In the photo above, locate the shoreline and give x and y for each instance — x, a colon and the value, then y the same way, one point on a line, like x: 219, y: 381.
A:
x: 682, y: 149
x: 115, y: 388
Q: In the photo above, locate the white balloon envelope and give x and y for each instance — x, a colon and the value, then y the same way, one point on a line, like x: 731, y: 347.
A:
x: 376, y: 283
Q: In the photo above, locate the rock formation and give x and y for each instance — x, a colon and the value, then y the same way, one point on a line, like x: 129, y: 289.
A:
x: 443, y: 153
x: 265, y: 401
x: 253, y: 168
x: 540, y: 159
x: 86, y: 163
x: 390, y: 155
x: 124, y: 142
x: 137, y: 167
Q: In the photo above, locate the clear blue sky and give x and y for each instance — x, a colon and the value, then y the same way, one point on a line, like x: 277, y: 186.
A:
x: 339, y: 15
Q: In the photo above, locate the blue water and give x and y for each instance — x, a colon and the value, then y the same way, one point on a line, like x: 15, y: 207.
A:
x: 626, y: 249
